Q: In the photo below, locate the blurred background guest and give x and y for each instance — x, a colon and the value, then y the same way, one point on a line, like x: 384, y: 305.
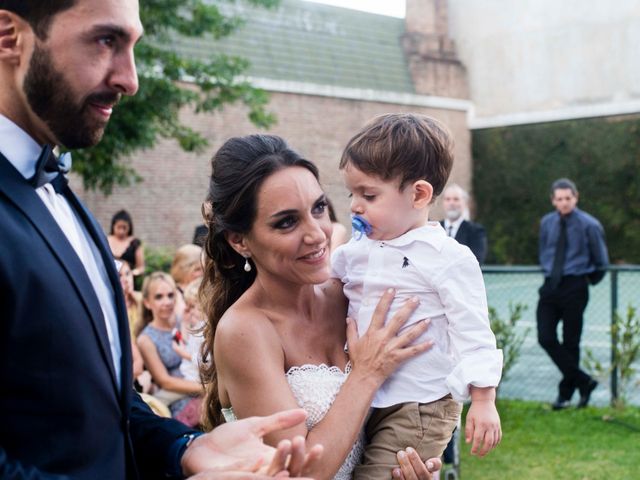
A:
x: 124, y: 246
x: 455, y: 201
x: 155, y: 344
x: 191, y: 329
x: 132, y: 299
x: 339, y: 234
x: 185, y: 268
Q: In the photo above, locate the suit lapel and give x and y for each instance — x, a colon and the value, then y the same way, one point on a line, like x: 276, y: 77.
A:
x: 463, y: 230
x: 24, y: 197
x: 99, y: 239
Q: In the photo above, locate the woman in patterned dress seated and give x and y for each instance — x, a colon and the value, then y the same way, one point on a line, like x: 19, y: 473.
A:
x: 155, y: 342
x: 276, y: 325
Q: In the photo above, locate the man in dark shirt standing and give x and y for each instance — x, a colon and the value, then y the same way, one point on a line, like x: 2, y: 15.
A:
x: 572, y: 254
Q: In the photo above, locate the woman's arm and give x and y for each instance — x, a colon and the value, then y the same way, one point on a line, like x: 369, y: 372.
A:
x: 251, y: 361
x: 159, y: 372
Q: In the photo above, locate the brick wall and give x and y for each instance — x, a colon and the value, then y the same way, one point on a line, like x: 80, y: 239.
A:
x: 166, y: 206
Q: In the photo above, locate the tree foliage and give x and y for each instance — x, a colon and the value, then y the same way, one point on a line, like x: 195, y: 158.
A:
x: 139, y: 121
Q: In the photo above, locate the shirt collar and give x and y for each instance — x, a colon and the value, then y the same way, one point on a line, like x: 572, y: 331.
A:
x: 431, y: 233
x: 455, y: 224
x: 18, y: 147
x: 572, y: 214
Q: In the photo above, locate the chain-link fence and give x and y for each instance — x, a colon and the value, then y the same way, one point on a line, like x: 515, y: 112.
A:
x: 534, y: 376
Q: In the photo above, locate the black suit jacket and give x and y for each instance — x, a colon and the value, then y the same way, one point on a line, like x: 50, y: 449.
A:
x: 473, y: 236
x: 62, y: 413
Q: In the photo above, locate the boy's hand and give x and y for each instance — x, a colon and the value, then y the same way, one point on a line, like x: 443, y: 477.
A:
x: 482, y: 425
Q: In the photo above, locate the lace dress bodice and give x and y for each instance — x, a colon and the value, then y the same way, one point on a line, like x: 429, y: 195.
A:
x: 315, y: 388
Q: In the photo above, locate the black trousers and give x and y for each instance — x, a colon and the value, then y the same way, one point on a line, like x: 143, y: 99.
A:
x: 566, y: 302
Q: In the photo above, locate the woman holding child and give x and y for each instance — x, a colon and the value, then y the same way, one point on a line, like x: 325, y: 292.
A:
x: 276, y: 320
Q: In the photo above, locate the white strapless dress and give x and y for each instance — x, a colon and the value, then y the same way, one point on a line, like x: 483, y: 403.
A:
x: 315, y: 388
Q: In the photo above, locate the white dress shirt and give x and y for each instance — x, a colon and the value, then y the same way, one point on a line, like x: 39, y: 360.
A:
x: 23, y: 152
x: 452, y: 227
x: 446, y: 277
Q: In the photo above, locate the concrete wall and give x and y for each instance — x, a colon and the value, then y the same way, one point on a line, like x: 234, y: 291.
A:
x: 540, y: 60
x: 166, y: 207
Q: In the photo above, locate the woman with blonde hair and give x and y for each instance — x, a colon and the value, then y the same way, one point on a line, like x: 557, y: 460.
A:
x: 155, y: 344
x: 187, y: 266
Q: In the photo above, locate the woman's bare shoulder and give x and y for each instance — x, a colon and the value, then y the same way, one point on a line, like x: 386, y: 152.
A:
x: 243, y: 335
x: 244, y: 326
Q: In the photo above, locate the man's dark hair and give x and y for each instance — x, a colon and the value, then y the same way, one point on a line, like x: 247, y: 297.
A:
x: 37, y: 13
x: 563, y: 184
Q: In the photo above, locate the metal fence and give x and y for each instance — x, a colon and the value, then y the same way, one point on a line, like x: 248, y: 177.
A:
x: 534, y: 376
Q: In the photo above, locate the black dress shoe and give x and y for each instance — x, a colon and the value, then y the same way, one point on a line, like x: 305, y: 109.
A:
x: 560, y: 404
x: 585, y: 393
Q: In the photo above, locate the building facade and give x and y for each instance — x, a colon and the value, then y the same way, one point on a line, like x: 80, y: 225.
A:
x: 328, y: 71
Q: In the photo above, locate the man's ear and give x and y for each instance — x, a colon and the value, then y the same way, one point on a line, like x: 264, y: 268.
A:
x: 238, y: 243
x: 12, y: 34
x: 422, y: 193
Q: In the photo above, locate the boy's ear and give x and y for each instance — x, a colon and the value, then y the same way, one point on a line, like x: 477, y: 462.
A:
x: 237, y: 242
x: 422, y: 193
x: 13, y: 31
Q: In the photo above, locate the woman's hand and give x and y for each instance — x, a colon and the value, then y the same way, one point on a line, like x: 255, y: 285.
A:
x: 380, y: 351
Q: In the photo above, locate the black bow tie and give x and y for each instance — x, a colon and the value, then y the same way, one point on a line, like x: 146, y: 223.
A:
x: 48, y: 163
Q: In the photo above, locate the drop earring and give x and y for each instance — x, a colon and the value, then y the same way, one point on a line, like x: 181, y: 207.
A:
x: 247, y: 265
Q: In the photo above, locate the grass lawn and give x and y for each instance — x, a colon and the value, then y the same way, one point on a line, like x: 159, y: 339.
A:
x: 541, y: 444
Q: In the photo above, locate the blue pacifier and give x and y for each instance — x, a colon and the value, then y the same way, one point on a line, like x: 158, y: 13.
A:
x: 360, y: 227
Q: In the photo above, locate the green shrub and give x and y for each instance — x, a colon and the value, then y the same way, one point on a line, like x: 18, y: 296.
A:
x: 506, y: 337
x: 625, y: 335
x: 158, y: 259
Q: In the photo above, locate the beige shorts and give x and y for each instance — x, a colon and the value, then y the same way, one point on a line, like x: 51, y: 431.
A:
x: 427, y: 427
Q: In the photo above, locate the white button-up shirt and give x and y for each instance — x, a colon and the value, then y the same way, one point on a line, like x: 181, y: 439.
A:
x: 22, y: 151
x: 446, y: 277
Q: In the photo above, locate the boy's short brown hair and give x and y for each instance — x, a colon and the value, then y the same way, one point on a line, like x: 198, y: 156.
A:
x: 407, y: 146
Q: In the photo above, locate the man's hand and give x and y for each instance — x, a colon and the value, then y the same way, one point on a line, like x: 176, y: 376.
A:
x: 413, y: 468
x: 235, y: 450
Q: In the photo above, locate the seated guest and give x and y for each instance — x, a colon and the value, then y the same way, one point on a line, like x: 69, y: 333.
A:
x: 191, y: 329
x: 200, y: 235
x: 124, y: 246
x: 185, y: 268
x: 132, y: 299
x: 155, y: 344
x: 339, y: 234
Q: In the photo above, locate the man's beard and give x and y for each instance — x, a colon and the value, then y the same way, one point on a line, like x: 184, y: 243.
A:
x: 51, y: 98
x: 453, y: 214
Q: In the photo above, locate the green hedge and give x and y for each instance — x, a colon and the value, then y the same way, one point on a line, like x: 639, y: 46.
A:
x: 515, y: 166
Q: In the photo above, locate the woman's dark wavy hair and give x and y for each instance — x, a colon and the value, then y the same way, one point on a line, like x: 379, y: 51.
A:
x: 239, y: 169
x: 121, y: 215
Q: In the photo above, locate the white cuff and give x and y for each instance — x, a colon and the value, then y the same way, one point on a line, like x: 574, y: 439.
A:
x: 483, y: 368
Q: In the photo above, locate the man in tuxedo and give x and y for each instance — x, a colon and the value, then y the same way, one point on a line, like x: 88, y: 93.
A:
x: 455, y: 203
x: 67, y: 406
x: 572, y: 253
